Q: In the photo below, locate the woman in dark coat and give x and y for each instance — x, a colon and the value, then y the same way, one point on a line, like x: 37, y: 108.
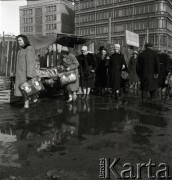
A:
x: 116, y: 65
x: 87, y: 70
x: 163, y: 60
x: 101, y: 80
x: 69, y: 63
x: 25, y: 66
x: 133, y: 78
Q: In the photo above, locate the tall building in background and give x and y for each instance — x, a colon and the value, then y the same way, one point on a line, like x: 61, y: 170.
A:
x: 44, y: 17
x: 92, y: 17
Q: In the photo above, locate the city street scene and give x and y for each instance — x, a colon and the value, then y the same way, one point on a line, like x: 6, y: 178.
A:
x: 85, y: 89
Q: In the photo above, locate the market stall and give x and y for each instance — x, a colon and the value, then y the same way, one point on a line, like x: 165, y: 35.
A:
x: 48, y: 49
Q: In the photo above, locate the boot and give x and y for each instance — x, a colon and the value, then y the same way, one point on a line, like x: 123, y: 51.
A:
x: 70, y: 99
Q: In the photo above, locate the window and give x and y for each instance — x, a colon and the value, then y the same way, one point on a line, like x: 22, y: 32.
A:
x: 28, y: 29
x: 27, y: 12
x: 50, y: 34
x: 118, y: 28
x: 50, y: 8
x: 51, y: 17
x: 50, y: 26
x: 27, y: 20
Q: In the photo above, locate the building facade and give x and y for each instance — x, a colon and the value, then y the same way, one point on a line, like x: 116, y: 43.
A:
x: 42, y: 17
x: 92, y: 17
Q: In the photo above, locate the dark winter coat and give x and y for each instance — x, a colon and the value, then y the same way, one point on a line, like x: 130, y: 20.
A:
x: 87, y: 63
x: 148, y: 65
x: 25, y: 67
x: 132, y: 70
x: 163, y: 59
x: 72, y: 63
x: 116, y: 62
x: 101, y: 71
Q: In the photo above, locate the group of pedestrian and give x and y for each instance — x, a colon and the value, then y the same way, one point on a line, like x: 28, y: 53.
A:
x: 101, y: 71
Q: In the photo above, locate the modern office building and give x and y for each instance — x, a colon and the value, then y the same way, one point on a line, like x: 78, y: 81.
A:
x: 92, y: 20
x: 44, y: 17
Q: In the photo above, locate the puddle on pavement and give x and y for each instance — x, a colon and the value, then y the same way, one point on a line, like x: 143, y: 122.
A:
x: 54, y: 128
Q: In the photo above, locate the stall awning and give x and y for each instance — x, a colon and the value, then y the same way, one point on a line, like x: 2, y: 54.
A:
x: 41, y: 42
x: 69, y: 40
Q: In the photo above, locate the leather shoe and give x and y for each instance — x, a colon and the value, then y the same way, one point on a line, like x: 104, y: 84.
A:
x: 35, y: 102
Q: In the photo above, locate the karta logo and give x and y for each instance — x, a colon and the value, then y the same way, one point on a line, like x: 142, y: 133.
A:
x: 109, y: 169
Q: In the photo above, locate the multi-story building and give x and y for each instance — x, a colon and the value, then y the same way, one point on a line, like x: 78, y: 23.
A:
x: 44, y: 17
x: 91, y: 20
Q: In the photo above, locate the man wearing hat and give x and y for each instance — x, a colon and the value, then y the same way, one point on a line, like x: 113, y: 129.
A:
x: 147, y: 69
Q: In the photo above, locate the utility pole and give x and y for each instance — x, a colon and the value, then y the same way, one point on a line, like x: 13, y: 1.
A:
x: 109, y: 30
x: 147, y: 31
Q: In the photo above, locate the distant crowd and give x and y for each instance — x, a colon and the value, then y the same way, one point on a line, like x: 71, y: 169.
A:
x: 147, y: 71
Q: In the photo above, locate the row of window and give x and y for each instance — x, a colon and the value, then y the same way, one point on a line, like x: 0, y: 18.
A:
x: 28, y: 29
x: 51, y: 26
x: 50, y: 34
x: 117, y: 13
x: 27, y: 20
x: 136, y: 26
x: 92, y: 4
x: 47, y: 9
x: 50, y: 17
x: 27, y: 12
x: 169, y: 26
x: 170, y: 42
x: 50, y: 8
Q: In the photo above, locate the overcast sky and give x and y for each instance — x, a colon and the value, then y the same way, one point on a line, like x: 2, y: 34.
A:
x: 9, y: 16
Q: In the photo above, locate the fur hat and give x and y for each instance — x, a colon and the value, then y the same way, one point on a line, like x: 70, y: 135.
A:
x: 117, y: 45
x: 84, y: 48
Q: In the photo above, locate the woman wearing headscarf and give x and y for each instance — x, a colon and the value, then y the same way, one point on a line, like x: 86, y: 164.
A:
x: 133, y: 78
x: 101, y: 80
x: 25, y: 66
x: 69, y: 63
x: 117, y: 64
x: 87, y: 70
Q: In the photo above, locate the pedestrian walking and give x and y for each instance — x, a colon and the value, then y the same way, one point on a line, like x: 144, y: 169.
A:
x: 101, y: 79
x: 25, y: 67
x: 163, y: 60
x: 133, y: 78
x: 87, y: 70
x: 148, y: 68
x: 68, y: 62
x: 117, y: 64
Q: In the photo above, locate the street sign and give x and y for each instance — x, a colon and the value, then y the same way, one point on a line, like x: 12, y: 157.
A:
x: 132, y: 39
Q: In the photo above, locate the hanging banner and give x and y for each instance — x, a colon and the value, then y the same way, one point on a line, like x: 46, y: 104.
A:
x: 132, y: 39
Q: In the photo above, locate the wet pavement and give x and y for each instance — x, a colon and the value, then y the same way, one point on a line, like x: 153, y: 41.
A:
x: 68, y: 140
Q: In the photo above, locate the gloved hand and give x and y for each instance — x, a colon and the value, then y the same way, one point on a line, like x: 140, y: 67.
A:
x: 28, y: 78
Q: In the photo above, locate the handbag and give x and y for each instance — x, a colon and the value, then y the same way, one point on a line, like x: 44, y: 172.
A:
x: 124, y: 75
x: 31, y: 87
x: 68, y: 78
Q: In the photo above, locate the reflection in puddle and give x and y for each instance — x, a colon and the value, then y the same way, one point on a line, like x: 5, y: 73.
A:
x: 8, y: 151
x: 51, y: 129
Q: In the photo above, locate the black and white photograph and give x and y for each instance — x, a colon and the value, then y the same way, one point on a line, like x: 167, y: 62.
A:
x: 85, y: 89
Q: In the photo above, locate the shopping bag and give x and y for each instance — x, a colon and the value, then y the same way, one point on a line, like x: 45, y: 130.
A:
x: 68, y: 78
x: 31, y: 87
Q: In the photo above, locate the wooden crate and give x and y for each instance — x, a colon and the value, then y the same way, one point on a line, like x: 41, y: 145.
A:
x: 7, y: 96
x: 5, y: 83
